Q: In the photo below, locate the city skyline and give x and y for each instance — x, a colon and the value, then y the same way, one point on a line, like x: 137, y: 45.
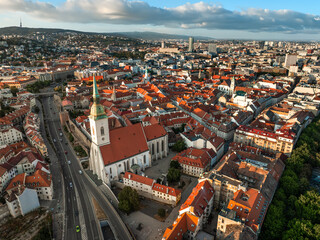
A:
x: 277, y: 20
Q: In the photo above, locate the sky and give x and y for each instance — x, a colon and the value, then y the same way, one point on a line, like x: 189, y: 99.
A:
x: 225, y: 19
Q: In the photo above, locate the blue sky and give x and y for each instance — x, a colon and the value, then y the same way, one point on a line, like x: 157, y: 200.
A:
x: 241, y: 19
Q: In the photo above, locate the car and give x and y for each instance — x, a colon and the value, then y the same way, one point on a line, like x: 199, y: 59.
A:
x: 80, y: 172
x: 69, y: 162
x: 54, y: 140
x: 77, y: 229
x: 66, y: 143
x: 59, y: 128
x: 65, y: 152
x: 71, y: 184
x: 60, y: 139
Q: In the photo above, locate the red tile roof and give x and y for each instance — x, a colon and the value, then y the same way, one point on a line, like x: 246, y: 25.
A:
x: 38, y: 179
x: 164, y: 189
x: 185, y: 222
x: 154, y: 131
x: 124, y: 143
x: 138, y: 178
x: 199, y: 198
x: 195, y: 157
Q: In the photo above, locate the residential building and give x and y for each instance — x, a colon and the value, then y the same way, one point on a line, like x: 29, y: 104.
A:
x: 152, y: 189
x: 194, y: 161
x: 10, y: 135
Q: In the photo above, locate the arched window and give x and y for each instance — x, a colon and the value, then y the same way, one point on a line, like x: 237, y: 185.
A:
x: 102, y: 131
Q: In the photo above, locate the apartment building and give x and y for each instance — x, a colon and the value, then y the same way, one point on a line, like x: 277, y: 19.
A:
x: 10, y: 135
x: 193, y: 213
x: 281, y: 141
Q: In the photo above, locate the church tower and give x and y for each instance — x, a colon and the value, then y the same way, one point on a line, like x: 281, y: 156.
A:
x: 98, y: 120
x: 232, y: 86
x: 146, y: 76
x: 114, y: 94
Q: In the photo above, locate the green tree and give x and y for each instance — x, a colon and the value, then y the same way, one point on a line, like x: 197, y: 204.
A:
x: 71, y: 138
x: 173, y: 175
x: 179, y: 146
x: 290, y: 185
x: 308, y: 206
x: 128, y: 200
x: 301, y: 229
x: 161, y: 212
x: 175, y: 164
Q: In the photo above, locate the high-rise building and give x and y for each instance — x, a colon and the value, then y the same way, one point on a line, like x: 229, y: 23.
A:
x: 212, y: 48
x: 162, y: 44
x: 290, y: 60
x: 20, y: 23
x: 191, y: 41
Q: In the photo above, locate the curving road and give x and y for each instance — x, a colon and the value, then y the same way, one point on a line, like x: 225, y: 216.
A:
x: 78, y: 204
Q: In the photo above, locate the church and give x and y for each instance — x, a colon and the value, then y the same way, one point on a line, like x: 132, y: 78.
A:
x: 113, y: 152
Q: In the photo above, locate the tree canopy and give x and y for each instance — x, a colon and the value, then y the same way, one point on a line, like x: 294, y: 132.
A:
x: 128, y: 200
x: 295, y: 210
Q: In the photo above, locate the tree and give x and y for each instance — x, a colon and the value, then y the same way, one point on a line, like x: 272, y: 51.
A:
x: 128, y: 200
x: 308, y: 206
x: 301, y: 229
x: 175, y: 164
x: 173, y: 175
x: 161, y: 212
x: 71, y: 138
x: 36, y: 109
x: 179, y: 146
x: 289, y: 185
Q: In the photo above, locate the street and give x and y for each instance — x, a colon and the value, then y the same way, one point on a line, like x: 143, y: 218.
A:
x: 78, y: 188
x: 79, y: 211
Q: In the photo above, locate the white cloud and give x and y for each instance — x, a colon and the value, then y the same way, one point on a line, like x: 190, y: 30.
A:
x: 198, y: 15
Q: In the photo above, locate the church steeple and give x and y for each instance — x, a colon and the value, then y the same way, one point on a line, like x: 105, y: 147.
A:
x: 97, y: 110
x: 98, y: 120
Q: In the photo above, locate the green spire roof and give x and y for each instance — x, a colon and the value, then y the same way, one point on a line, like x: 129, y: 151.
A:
x: 97, y: 110
x: 96, y: 96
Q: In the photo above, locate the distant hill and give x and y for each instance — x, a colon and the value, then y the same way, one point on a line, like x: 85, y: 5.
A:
x: 158, y: 36
x: 136, y: 35
x: 25, y: 30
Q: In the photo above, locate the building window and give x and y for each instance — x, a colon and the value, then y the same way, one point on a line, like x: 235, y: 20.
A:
x: 102, y: 131
x: 152, y: 152
x: 110, y: 171
x: 157, y: 147
x: 162, y: 145
x: 144, y: 159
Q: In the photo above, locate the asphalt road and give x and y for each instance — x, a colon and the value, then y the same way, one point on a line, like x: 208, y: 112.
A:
x: 75, y: 194
x: 83, y: 186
